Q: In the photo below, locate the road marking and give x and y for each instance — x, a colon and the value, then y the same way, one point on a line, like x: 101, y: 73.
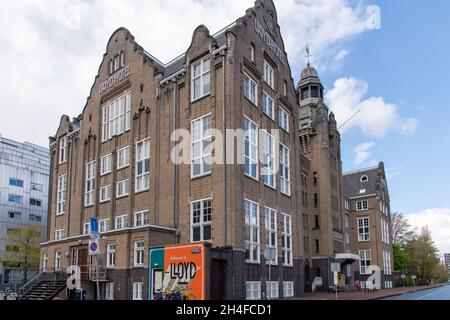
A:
x: 430, y: 294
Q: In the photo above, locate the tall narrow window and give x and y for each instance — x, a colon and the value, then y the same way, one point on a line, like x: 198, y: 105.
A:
x: 106, y: 164
x: 45, y: 262
x: 269, y: 160
x: 58, y: 261
x: 137, y: 290
x: 201, y: 79
x: 116, y: 117
x: 285, y: 171
x: 123, y: 158
x: 61, y: 195
x: 251, y: 216
x: 365, y: 262
x: 250, y: 89
x: 111, y: 255
x: 268, y: 75
x: 62, y: 149
x: 363, y: 229
x: 271, y: 235
x: 287, y: 240
x: 104, y: 225
x: 139, y: 253
x: 143, y: 165
x: 109, y: 291
x: 201, y: 146
x: 251, y: 148
x: 89, y: 197
x: 122, y: 188
x: 283, y: 119
x: 268, y: 106
x: 105, y: 193
x: 252, y: 52
x: 201, y: 218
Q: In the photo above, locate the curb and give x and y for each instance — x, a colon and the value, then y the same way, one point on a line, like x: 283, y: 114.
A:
x: 403, y: 293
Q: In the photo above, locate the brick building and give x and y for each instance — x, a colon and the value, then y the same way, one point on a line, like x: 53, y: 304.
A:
x: 269, y: 232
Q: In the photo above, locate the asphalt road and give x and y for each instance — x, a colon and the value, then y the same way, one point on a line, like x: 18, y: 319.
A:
x: 440, y: 293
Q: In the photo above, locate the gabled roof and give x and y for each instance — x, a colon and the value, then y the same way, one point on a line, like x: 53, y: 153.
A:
x: 353, y: 186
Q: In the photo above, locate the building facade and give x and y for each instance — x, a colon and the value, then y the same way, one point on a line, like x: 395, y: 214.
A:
x: 273, y: 223
x: 24, y: 176
x: 369, y: 203
x: 447, y: 263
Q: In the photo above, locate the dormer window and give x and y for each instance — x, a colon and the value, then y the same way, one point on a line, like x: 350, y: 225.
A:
x: 364, y: 178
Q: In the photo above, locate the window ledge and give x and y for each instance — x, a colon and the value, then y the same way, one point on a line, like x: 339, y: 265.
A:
x: 201, y: 176
x: 141, y: 191
x: 200, y: 98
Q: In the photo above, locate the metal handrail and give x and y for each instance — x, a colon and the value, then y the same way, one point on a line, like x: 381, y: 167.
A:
x: 27, y: 287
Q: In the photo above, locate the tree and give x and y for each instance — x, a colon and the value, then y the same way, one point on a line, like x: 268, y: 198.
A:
x: 401, y: 258
x: 401, y: 229
x: 22, y: 249
x: 422, y: 253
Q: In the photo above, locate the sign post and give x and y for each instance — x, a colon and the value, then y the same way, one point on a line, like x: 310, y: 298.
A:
x: 94, y: 250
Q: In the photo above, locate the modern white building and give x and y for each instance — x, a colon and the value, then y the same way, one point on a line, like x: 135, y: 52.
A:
x: 24, y: 178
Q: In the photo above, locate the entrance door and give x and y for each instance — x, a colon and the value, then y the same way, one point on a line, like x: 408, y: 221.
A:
x: 217, y: 280
x: 82, y: 262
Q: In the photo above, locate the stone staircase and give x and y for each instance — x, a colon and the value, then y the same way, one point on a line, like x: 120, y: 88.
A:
x: 43, y: 288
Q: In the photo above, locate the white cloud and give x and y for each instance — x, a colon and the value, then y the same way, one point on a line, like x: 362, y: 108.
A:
x: 362, y: 152
x: 51, y: 50
x: 374, y: 116
x: 438, y: 221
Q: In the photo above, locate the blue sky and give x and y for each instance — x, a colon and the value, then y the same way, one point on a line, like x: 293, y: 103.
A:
x: 398, y: 76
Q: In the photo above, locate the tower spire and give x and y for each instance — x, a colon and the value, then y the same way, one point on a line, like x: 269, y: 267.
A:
x: 308, y: 55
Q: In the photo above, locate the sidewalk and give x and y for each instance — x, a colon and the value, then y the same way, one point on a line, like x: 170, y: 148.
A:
x: 365, y: 296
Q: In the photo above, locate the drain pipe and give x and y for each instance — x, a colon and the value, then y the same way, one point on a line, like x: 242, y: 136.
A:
x: 223, y: 53
x: 174, y: 166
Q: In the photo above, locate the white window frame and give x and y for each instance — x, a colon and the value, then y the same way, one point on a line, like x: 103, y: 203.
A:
x: 104, y: 225
x: 62, y: 154
x: 59, y: 234
x: 105, y: 193
x: 109, y: 291
x: 58, y: 260
x: 272, y: 289
x: 45, y: 262
x: 141, y: 218
x: 365, y: 262
x: 123, y: 158
x: 138, y: 290
x: 106, y: 164
x: 89, y: 198
x: 251, y: 132
x: 288, y: 289
x: 285, y: 170
x: 271, y: 232
x: 142, y: 179
x: 269, y: 74
x: 138, y: 253
x: 268, y: 106
x: 121, y: 222
x: 122, y: 188
x: 252, y: 223
x: 61, y: 195
x: 283, y: 119
x: 204, y: 155
x: 250, y: 89
x: 205, y: 73
x: 253, y: 290
x: 202, y: 219
x: 116, y: 117
x: 286, y: 245
x: 252, y: 52
x: 362, y: 205
x: 269, y: 160
x: 111, y: 255
x: 86, y: 228
x: 363, y: 234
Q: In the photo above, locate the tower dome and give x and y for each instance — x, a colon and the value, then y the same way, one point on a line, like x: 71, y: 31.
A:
x: 309, y: 85
x: 309, y: 75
